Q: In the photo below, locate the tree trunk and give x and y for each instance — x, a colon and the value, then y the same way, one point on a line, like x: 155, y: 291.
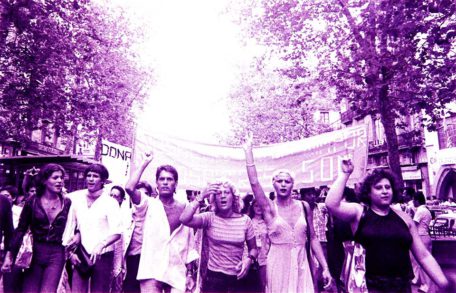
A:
x: 98, y: 147
x: 71, y: 140
x: 388, y: 121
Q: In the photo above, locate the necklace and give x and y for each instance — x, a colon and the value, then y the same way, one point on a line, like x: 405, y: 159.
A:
x: 51, y: 204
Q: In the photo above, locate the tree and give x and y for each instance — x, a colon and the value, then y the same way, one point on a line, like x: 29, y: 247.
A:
x: 70, y: 62
x: 274, y: 108
x: 394, y: 57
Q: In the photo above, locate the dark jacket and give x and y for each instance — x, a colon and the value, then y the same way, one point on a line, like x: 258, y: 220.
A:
x: 6, y: 221
x: 34, y: 216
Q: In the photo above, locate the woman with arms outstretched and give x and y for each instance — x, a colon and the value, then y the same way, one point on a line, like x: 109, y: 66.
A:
x: 387, y: 234
x: 290, y: 229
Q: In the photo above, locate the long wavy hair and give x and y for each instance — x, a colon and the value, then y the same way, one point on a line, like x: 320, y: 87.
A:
x: 252, y: 210
x: 44, y: 175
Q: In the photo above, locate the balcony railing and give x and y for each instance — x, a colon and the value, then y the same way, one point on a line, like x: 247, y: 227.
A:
x: 347, y: 117
x: 404, y: 140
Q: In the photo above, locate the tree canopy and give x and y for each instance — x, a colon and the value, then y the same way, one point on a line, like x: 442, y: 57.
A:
x: 389, y: 57
x: 70, y: 62
x: 275, y: 108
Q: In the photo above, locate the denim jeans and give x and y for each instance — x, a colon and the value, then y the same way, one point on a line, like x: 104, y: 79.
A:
x: 131, y: 285
x: 100, y: 276
x: 46, y: 268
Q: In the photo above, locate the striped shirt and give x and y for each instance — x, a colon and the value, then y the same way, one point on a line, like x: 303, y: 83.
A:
x: 226, y: 240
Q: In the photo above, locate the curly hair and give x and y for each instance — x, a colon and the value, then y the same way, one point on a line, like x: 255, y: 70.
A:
x: 374, y: 178
x: 236, y: 197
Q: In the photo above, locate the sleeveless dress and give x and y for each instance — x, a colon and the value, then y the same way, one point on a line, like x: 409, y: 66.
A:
x: 288, y: 269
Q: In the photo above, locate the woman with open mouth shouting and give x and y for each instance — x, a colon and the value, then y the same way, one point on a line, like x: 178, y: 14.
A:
x: 290, y: 230
x: 227, y: 231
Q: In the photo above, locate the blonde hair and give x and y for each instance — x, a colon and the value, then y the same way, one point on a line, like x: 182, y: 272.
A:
x: 236, y: 198
x: 278, y: 172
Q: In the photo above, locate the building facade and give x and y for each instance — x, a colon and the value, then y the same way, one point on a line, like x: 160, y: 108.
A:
x: 411, y: 141
x: 441, y: 150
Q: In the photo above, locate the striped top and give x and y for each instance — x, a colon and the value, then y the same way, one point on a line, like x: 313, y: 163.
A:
x: 226, y: 240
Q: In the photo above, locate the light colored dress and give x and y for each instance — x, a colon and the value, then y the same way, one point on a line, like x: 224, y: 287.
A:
x: 288, y: 268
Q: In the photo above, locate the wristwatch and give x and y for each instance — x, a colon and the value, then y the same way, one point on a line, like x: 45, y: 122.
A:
x: 252, y: 258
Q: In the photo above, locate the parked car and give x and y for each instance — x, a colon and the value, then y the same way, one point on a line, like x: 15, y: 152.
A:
x: 443, y: 225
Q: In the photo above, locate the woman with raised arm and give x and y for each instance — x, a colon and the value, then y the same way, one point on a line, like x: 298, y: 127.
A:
x: 290, y: 229
x: 227, y: 231
x: 387, y: 234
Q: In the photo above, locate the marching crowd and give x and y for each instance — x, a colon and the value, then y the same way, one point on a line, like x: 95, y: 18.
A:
x: 142, y: 239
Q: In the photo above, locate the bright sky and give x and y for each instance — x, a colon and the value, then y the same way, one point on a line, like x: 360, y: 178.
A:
x: 196, y: 54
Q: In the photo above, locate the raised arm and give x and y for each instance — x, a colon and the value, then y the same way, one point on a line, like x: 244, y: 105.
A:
x: 28, y: 174
x: 130, y: 187
x: 188, y: 217
x: 346, y: 211
x: 258, y: 191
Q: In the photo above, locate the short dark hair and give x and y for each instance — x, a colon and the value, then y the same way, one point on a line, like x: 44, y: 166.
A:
x: 419, y: 197
x: 272, y: 195
x: 30, y: 185
x: 121, y: 190
x: 167, y: 168
x: 44, y: 175
x: 374, y: 178
x: 11, y: 190
x: 97, y: 168
x: 144, y: 184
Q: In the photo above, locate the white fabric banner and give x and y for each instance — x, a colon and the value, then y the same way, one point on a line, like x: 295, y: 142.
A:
x: 117, y: 158
x: 315, y: 161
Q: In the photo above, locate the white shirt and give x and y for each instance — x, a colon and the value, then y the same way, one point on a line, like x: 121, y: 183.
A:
x: 17, y: 210
x: 164, y: 255
x: 96, y: 223
x: 423, y: 217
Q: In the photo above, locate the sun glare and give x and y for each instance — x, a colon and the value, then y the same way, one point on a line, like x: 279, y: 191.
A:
x: 196, y: 53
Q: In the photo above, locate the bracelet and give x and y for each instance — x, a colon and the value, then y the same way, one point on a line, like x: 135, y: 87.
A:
x: 250, y: 165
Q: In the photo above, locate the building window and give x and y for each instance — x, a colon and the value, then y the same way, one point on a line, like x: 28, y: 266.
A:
x: 447, y: 133
x: 324, y: 117
x: 379, y: 132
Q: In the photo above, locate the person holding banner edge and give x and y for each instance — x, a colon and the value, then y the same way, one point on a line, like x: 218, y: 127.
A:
x: 388, y: 235
x: 290, y: 229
